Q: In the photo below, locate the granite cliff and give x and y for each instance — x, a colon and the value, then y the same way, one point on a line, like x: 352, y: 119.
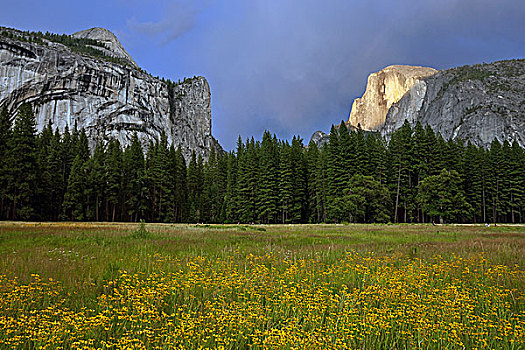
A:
x: 384, y: 88
x: 89, y: 80
x: 475, y: 103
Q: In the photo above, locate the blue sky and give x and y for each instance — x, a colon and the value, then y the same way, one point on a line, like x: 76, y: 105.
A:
x: 289, y: 66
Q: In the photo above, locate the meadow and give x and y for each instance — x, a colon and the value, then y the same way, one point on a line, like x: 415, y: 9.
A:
x: 161, y: 286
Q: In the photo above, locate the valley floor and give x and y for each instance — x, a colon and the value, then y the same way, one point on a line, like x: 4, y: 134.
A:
x: 121, y: 285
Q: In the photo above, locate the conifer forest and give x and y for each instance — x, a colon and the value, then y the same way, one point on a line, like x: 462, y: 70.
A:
x: 415, y: 177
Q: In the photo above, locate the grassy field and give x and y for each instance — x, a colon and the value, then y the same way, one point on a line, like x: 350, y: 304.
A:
x: 89, y: 286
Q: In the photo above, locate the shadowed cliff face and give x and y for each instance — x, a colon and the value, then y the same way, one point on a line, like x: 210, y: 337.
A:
x: 106, y: 99
x: 475, y: 103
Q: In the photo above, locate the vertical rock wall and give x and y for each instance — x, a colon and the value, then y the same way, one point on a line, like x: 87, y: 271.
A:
x: 108, y: 100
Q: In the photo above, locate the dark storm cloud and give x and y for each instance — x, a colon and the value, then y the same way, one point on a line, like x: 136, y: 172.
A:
x: 290, y: 66
x: 175, y: 19
x: 294, y: 67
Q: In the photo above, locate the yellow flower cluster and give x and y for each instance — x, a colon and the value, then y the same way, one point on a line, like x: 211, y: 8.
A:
x: 265, y: 302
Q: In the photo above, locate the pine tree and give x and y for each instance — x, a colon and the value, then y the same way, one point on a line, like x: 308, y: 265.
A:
x: 286, y: 182
x: 95, y: 183
x: 299, y: 209
x: 495, y: 179
x: 133, y: 167
x: 212, y: 189
x: 5, y: 155
x: 361, y: 156
x: 230, y: 196
x: 268, y: 186
x: 195, y: 187
x: 180, y: 189
x: 247, y: 181
x: 338, y: 167
x: 74, y: 198
x: 52, y: 175
x: 473, y: 181
x: 313, y: 195
x: 321, y: 185
x: 43, y: 181
x: 66, y: 157
x: 515, y: 180
x: 442, y: 196
x: 113, y: 176
x: 400, y: 162
x: 24, y: 164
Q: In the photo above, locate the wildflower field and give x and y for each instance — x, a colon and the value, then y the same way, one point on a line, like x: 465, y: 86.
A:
x: 115, y: 286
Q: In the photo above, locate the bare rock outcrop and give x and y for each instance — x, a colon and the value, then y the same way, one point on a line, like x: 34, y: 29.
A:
x: 475, y: 103
x: 385, y: 88
x: 107, y: 99
x: 113, y: 46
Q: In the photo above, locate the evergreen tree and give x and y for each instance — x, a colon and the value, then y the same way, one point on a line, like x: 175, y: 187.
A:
x: 361, y: 156
x: 286, y: 182
x: 180, y: 187
x: 442, y: 196
x: 321, y: 185
x: 113, y: 176
x: 268, y: 186
x: 5, y: 155
x: 313, y: 195
x: 299, y: 209
x: 52, y: 175
x: 95, y: 183
x: 473, y: 180
x: 365, y: 200
x: 514, y: 184
x: 376, y: 153
x: 43, y: 181
x: 195, y: 187
x: 24, y: 164
x: 133, y: 168
x: 231, y: 189
x: 247, y: 181
x: 400, y: 163
x: 74, y: 198
x: 495, y: 180
x: 338, y: 167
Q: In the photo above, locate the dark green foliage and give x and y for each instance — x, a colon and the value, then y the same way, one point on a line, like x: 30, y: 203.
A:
x: 357, y: 177
x: 371, y: 198
x: 441, y: 196
x: 23, y: 165
x: 5, y: 156
x: 268, y: 189
x: 113, y: 179
x: 134, y: 177
x: 74, y: 200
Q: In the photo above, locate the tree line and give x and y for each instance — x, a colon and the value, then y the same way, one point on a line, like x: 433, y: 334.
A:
x: 417, y: 176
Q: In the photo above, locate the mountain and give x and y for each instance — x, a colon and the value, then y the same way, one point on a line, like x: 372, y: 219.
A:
x: 113, y: 47
x: 88, y: 80
x: 475, y: 103
x: 384, y: 89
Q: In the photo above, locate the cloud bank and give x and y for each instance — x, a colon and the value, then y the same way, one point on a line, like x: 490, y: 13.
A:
x: 294, y: 67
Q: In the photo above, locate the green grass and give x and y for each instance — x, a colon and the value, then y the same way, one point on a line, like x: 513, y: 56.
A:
x: 82, y: 254
x: 297, y: 286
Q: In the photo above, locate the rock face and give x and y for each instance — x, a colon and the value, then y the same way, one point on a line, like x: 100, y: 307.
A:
x: 384, y: 88
x: 475, y: 103
x: 113, y: 45
x: 320, y: 138
x: 105, y: 98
